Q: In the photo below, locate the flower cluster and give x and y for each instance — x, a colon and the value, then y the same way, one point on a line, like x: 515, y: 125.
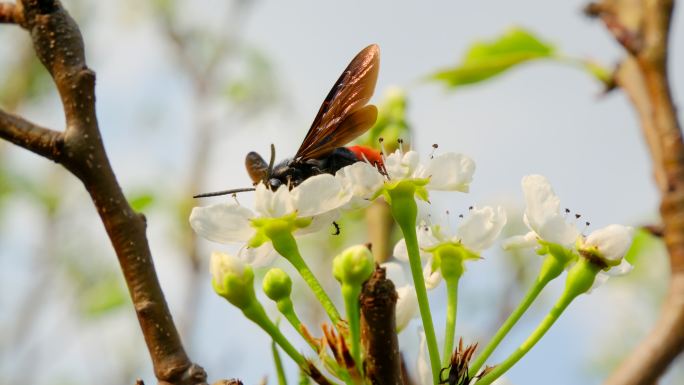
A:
x: 432, y: 253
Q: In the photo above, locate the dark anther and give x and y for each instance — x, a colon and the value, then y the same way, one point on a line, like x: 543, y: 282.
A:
x: 381, y: 139
x: 587, y: 223
x: 577, y: 216
x: 567, y: 211
x: 470, y: 207
x: 435, y: 145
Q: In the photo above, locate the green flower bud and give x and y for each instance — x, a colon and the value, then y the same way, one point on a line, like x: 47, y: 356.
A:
x: 232, y: 279
x: 277, y: 284
x: 353, y: 266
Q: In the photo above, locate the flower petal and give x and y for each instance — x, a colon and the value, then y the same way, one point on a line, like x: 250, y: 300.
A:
x: 263, y: 255
x: 273, y: 204
x: 407, y: 306
x: 623, y: 268
x: 400, y: 165
x: 320, y: 222
x: 395, y: 273
x: 449, y: 172
x: 612, y: 241
x: 481, y: 227
x: 432, y: 277
x: 362, y: 180
x: 526, y: 241
x: 400, y: 251
x: 542, y: 213
x: 223, y: 222
x: 423, y: 365
x: 319, y: 194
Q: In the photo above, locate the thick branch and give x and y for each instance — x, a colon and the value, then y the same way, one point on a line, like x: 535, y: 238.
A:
x: 378, y: 330
x: 643, y: 76
x: 59, y: 45
x: 42, y: 141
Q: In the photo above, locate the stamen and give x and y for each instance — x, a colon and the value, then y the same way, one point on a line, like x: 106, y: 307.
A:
x: 434, y: 148
x: 567, y: 212
x: 381, y: 141
x: 448, y: 222
x: 234, y: 195
x: 400, y: 141
x: 586, y: 226
x: 470, y: 208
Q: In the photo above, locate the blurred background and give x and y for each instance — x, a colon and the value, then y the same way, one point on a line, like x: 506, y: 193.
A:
x: 186, y: 88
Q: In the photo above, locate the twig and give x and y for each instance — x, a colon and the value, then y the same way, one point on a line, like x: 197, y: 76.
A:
x: 643, y: 76
x: 378, y: 330
x: 59, y: 46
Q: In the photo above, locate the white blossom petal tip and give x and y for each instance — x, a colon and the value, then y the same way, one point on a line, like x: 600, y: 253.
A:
x: 479, y: 230
x: 449, y: 172
x: 543, y: 212
x: 222, y: 222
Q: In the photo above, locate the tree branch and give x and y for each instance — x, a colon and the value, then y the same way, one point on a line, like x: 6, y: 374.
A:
x: 59, y: 46
x: 378, y: 330
x: 42, y: 141
x: 643, y: 76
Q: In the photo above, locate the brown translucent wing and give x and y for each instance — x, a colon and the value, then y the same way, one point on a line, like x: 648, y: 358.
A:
x: 344, y: 115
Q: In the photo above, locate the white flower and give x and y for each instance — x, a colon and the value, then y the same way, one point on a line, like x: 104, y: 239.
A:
x: 423, y: 364
x: 608, y: 247
x: 476, y: 232
x: 543, y: 216
x: 407, y: 302
x: 450, y: 172
x: 307, y: 208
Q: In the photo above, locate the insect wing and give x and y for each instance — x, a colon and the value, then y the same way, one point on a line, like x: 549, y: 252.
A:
x: 344, y: 115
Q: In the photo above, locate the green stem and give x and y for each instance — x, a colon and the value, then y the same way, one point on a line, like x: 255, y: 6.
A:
x: 405, y: 211
x: 285, y: 244
x: 280, y: 372
x: 286, y: 308
x: 255, y: 313
x: 551, y: 268
x: 351, y: 294
x: 450, y: 330
x: 525, y: 347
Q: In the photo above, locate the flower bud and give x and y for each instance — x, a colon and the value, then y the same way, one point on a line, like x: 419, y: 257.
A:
x: 277, y: 284
x: 232, y: 279
x: 354, y: 265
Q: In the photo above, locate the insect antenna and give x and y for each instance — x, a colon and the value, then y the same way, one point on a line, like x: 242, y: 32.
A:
x: 224, y: 192
x: 269, y: 172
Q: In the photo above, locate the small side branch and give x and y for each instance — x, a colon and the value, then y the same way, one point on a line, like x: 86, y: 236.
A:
x: 42, y: 141
x: 378, y: 330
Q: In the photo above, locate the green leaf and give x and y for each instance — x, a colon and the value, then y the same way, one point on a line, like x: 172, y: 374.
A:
x: 141, y: 201
x: 485, y: 60
x: 643, y: 243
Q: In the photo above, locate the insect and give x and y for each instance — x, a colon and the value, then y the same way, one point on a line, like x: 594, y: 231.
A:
x: 343, y: 116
